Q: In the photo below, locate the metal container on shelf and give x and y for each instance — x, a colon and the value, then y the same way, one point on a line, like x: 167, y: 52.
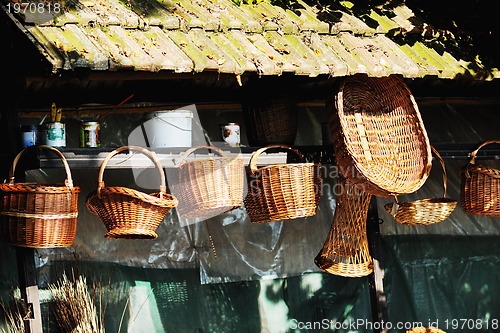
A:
x: 31, y: 135
x: 89, y: 134
x: 55, y: 134
x: 231, y: 134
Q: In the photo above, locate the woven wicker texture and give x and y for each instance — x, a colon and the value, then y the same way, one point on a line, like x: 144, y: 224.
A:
x: 282, y: 191
x: 480, y: 188
x: 270, y: 121
x: 379, y: 137
x: 346, y: 251
x: 39, y: 216
x: 423, y: 329
x: 210, y: 186
x: 425, y: 211
x: 128, y: 213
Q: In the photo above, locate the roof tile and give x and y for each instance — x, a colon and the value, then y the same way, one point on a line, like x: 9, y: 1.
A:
x: 216, y: 35
x: 258, y: 57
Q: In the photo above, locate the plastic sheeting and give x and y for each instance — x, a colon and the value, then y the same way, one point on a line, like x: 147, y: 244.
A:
x: 173, y: 300
x: 247, y: 251
x: 442, y: 281
x: 453, y: 126
x: 244, y: 250
x: 458, y: 223
x: 444, y: 274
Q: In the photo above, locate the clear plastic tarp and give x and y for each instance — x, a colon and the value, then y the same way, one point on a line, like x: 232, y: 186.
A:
x: 242, y: 250
x: 443, y: 275
x: 245, y: 250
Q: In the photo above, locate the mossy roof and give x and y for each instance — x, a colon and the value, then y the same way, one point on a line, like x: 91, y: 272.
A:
x: 185, y: 36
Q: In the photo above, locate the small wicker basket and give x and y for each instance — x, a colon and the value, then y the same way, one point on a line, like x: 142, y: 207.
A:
x: 425, y: 211
x: 270, y: 121
x: 346, y: 252
x: 128, y: 213
x: 39, y: 216
x: 480, y: 188
x: 379, y: 137
x: 282, y: 191
x: 210, y: 186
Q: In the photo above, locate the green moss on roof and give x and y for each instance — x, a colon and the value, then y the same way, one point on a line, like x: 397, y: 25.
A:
x: 334, y: 39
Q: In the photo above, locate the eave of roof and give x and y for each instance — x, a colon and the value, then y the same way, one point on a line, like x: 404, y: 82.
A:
x: 186, y: 36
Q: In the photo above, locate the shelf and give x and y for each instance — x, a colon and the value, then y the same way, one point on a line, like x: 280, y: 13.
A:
x: 170, y: 158
x: 93, y: 158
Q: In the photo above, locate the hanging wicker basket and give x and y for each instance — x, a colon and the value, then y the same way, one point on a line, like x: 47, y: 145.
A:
x: 282, y: 191
x: 379, y: 137
x: 425, y: 211
x: 128, y: 213
x: 346, y: 252
x: 480, y: 188
x: 270, y: 121
x: 39, y: 216
x: 210, y: 186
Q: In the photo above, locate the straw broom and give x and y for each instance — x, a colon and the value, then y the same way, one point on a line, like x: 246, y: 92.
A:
x: 14, y: 321
x: 75, y: 308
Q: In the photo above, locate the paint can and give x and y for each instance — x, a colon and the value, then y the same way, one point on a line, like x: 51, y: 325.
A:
x: 231, y: 134
x: 168, y: 128
x: 55, y: 134
x: 31, y: 135
x: 89, y: 134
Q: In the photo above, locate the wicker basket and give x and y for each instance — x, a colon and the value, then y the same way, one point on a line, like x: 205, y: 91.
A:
x: 345, y: 252
x: 128, y: 213
x: 270, y: 121
x: 425, y: 211
x: 480, y: 188
x: 282, y: 191
x: 379, y: 137
x: 210, y: 186
x: 39, y: 216
x: 424, y: 329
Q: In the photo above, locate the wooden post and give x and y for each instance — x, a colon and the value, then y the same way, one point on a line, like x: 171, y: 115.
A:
x: 29, y: 289
x: 376, y: 279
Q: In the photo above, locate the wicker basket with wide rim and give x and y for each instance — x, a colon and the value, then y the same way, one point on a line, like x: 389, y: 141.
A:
x: 128, y: 213
x: 282, y: 191
x: 270, y: 121
x: 345, y: 251
x: 39, y: 216
x: 480, y: 188
x: 379, y: 137
x: 210, y: 186
x: 425, y: 211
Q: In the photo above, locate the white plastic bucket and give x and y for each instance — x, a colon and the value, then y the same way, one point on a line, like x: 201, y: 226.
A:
x: 168, y: 128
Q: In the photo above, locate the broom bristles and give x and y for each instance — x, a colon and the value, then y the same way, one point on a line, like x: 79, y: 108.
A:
x: 75, y: 307
x: 14, y: 318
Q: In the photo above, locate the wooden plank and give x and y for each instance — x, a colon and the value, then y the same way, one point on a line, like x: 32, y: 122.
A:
x: 378, y: 298
x: 28, y: 286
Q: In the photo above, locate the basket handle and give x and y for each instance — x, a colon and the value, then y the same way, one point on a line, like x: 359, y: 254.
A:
x: 256, y: 154
x: 100, y: 182
x: 474, y: 154
x: 193, y: 149
x: 445, y: 175
x: 445, y: 179
x: 68, y: 182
